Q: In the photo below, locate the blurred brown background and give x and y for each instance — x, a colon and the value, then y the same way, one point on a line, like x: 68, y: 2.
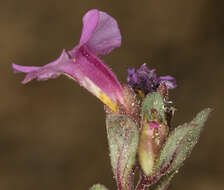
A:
x: 52, y: 134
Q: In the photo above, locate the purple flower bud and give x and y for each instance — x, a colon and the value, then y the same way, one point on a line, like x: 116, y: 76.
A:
x: 146, y: 81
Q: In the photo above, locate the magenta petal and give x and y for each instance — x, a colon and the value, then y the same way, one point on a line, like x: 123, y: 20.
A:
x: 100, y: 33
x: 87, y: 69
x: 106, y: 36
x: 92, y: 73
x: 51, y: 70
x: 90, y: 21
x: 153, y: 125
x: 24, y: 69
x: 99, y: 36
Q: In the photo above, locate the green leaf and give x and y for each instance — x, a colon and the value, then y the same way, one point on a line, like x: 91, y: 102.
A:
x: 98, y: 187
x: 181, y: 142
x: 122, y: 135
x: 154, y: 101
x: 163, y: 183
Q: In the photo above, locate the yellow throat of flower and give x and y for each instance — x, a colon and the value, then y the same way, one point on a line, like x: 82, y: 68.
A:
x: 92, y: 87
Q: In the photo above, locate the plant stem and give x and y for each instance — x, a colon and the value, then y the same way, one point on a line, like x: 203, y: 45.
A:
x: 141, y: 184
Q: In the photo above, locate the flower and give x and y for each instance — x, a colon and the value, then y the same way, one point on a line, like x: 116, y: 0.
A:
x: 145, y: 81
x: 100, y: 35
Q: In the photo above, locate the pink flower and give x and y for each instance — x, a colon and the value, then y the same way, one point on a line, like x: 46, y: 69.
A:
x: 100, y: 35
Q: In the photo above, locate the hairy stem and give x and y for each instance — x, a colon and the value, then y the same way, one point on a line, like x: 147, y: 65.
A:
x: 141, y: 184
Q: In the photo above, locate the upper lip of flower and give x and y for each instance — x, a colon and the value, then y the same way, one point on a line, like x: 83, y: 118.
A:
x: 100, y: 35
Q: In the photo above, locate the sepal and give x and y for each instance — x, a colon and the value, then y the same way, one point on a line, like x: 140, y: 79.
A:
x: 152, y: 103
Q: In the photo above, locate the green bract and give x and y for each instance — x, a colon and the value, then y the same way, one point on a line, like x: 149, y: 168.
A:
x: 122, y: 135
x: 181, y: 142
x: 155, y: 101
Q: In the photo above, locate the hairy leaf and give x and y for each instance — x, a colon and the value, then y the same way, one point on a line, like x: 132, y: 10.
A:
x: 122, y: 135
x: 181, y: 142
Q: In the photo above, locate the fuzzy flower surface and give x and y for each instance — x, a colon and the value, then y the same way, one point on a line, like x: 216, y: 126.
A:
x: 100, y: 35
x: 145, y: 80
